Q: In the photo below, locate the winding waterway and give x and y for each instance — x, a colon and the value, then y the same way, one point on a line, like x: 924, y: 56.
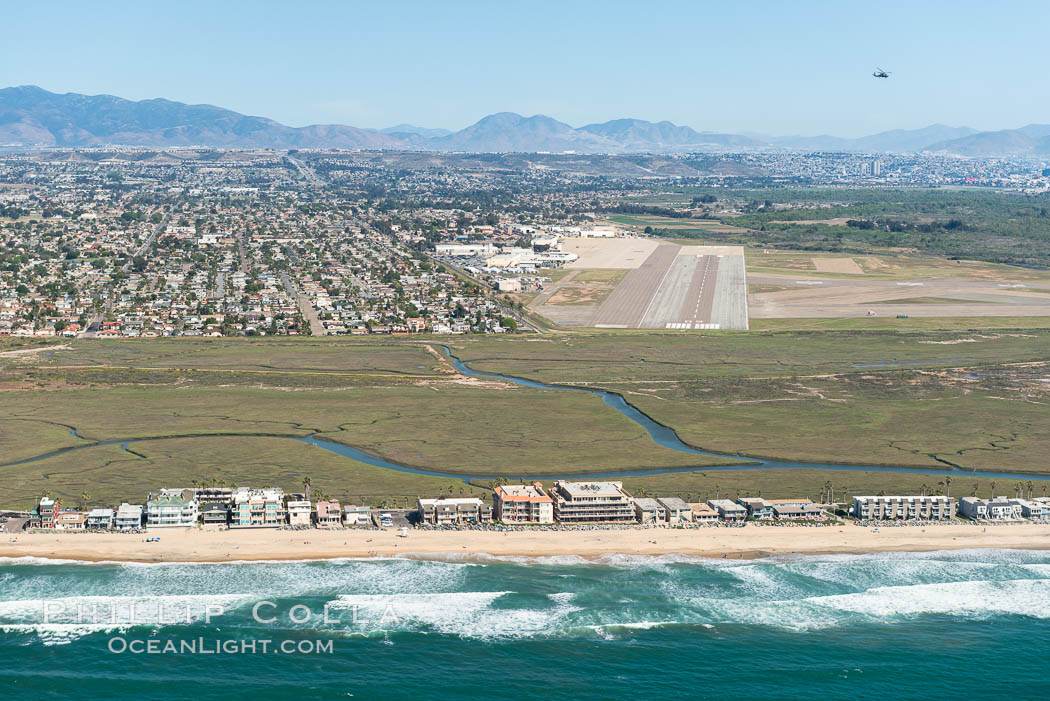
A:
x: 661, y: 435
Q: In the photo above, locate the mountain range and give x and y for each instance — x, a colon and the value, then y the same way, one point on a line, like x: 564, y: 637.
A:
x: 33, y: 117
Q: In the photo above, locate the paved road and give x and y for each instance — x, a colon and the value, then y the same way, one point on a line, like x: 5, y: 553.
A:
x: 307, y: 309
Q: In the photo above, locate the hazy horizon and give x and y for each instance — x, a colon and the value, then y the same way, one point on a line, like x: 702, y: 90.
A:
x: 798, y: 70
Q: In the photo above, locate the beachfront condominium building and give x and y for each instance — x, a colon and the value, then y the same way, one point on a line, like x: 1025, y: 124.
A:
x: 329, y: 514
x: 257, y: 508
x: 904, y: 508
x: 522, y: 503
x: 128, y: 517
x: 172, y: 508
x: 452, y: 512
x: 997, y: 509
x: 1033, y: 508
x: 592, y: 502
x: 44, y: 514
x: 757, y: 508
x: 298, y: 509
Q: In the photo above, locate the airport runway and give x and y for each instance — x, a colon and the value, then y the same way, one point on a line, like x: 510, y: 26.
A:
x: 628, y: 303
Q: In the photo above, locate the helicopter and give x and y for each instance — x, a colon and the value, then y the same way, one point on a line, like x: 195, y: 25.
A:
x: 879, y: 73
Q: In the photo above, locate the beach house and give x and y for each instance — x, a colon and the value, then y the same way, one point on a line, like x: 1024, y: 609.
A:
x: 728, y: 510
x: 128, y: 517
x: 172, y: 508
x: 676, y: 510
x: 298, y: 510
x: 449, y: 512
x: 329, y: 514
x: 997, y: 509
x: 100, y: 519
x: 44, y: 514
x: 522, y: 503
x: 354, y: 515
x: 592, y: 502
x: 757, y: 508
x: 650, y: 511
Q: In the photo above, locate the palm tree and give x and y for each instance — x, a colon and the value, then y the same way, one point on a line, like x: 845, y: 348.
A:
x: 974, y: 492
x: 1030, y: 488
x: 307, y: 483
x: 948, y: 486
x: 993, y: 489
x: 84, y: 498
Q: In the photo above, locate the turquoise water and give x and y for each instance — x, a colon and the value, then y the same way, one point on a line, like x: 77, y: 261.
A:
x: 900, y: 625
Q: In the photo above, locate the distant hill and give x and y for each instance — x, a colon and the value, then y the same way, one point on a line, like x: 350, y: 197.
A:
x: 31, y: 116
x: 1032, y: 140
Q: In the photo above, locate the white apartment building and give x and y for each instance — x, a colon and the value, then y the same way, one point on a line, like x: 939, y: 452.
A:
x: 298, y: 509
x: 903, y: 508
x: 592, y: 502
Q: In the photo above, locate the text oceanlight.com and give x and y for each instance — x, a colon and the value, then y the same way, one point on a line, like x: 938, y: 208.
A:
x: 204, y: 646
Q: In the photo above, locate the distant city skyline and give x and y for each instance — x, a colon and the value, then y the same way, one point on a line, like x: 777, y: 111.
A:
x: 803, y: 68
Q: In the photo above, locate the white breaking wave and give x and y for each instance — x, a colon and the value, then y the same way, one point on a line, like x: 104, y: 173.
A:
x: 465, y: 614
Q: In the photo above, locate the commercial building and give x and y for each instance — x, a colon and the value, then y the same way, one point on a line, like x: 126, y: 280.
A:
x: 453, y: 512
x: 172, y: 509
x: 465, y: 250
x: 592, y: 502
x: 997, y: 509
x: 903, y: 508
x: 128, y: 517
x: 257, y: 508
x: 522, y: 503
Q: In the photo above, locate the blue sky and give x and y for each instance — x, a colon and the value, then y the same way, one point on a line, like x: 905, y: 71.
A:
x: 776, y: 67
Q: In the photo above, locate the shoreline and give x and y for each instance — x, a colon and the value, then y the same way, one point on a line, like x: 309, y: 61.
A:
x: 749, y: 542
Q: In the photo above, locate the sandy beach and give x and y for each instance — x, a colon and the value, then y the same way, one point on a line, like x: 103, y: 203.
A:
x: 748, y: 542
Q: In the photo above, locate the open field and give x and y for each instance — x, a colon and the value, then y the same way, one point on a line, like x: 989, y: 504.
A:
x: 976, y: 399
x: 888, y: 265
x: 884, y: 323
x: 110, y: 475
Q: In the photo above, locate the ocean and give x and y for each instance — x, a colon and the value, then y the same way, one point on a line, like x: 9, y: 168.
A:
x: 890, y: 625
